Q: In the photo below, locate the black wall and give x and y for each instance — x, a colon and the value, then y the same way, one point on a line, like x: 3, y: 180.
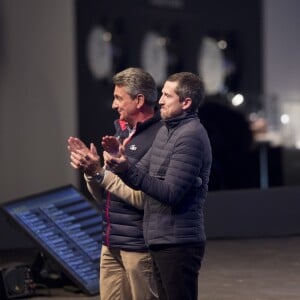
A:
x: 185, y: 23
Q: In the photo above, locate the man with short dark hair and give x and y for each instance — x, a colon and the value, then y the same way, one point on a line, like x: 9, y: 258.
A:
x: 173, y: 176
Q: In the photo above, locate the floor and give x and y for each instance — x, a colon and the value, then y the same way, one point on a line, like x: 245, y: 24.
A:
x: 252, y: 269
x: 242, y: 269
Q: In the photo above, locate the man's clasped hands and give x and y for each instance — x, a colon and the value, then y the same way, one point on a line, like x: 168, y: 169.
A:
x: 88, y: 160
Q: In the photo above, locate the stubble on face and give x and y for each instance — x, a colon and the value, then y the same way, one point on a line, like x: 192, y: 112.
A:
x: 170, y: 106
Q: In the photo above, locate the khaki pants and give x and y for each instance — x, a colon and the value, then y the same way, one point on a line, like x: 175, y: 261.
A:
x: 126, y: 275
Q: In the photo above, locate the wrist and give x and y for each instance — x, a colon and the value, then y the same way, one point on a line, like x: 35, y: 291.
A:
x: 96, y: 176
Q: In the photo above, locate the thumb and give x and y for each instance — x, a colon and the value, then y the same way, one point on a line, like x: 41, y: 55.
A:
x: 93, y: 149
x: 122, y: 150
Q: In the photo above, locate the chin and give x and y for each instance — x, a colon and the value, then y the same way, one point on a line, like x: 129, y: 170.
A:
x: 165, y: 115
x: 162, y: 114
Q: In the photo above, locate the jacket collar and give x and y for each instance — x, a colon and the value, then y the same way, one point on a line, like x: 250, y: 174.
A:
x: 122, y: 129
x: 184, y: 117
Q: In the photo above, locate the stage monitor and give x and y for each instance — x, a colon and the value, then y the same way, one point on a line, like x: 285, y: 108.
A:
x: 67, y: 227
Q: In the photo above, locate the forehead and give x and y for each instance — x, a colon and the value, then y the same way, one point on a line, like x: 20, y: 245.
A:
x: 120, y: 90
x: 170, y: 87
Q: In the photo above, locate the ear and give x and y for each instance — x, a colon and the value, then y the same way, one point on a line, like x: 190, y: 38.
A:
x: 187, y: 103
x: 141, y: 100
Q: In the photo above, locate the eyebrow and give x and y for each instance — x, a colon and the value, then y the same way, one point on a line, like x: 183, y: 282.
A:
x: 165, y: 93
x: 117, y: 97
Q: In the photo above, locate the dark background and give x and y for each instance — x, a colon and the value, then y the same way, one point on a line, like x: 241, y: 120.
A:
x: 38, y: 98
x: 185, y: 23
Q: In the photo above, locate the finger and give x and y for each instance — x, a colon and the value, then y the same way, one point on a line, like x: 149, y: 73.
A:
x: 105, y: 143
x: 75, y: 156
x: 111, y: 144
x: 80, y: 143
x: 72, y: 147
x: 105, y: 138
x: 82, y: 153
x: 93, y: 149
x: 110, y: 158
x: 106, y: 156
x: 112, y: 140
x: 71, y: 144
x: 109, y: 139
x: 75, y: 166
x: 122, y: 150
x: 79, y: 163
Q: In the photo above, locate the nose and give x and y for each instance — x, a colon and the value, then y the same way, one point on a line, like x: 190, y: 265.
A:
x: 114, y: 104
x: 160, y: 101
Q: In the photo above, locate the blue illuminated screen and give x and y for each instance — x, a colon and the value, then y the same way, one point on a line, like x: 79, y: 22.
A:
x: 67, y: 226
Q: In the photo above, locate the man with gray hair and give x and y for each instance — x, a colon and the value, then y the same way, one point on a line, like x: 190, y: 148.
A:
x: 126, y: 265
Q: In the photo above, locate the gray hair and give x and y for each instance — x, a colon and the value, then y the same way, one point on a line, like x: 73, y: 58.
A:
x: 137, y: 81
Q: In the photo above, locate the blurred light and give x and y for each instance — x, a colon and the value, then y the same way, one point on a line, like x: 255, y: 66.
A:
x: 222, y: 44
x: 237, y: 100
x: 285, y: 119
x: 297, y: 144
x: 106, y: 36
x: 253, y: 117
x: 162, y: 41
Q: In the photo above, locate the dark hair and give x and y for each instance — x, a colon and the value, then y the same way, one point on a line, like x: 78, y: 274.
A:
x: 137, y: 81
x: 189, y: 86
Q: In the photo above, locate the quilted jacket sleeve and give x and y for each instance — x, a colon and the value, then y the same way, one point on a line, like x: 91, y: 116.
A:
x: 188, y: 155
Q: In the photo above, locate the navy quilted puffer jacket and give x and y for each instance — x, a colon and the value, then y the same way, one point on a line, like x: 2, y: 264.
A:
x: 122, y: 223
x: 175, y: 173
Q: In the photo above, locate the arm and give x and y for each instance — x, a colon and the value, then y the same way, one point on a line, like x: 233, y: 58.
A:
x: 182, y: 172
x: 113, y: 184
x: 88, y: 161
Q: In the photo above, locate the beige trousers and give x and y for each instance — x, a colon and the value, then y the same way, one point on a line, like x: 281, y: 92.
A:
x: 126, y: 275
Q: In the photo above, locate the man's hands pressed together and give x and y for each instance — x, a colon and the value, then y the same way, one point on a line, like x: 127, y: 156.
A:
x: 83, y: 158
x: 114, y: 155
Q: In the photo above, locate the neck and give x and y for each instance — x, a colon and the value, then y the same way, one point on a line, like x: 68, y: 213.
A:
x: 143, y: 115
